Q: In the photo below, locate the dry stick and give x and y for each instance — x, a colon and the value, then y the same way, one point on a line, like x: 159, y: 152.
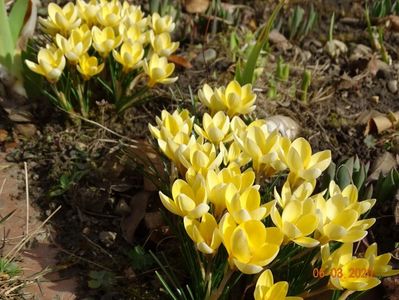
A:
x: 2, y: 185
x: 9, y: 256
x: 27, y: 197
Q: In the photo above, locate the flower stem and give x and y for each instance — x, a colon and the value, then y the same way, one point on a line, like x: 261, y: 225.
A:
x: 227, y: 274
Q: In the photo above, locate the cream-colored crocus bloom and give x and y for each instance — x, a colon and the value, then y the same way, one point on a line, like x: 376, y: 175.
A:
x: 61, y: 20
x: 129, y: 56
x: 109, y: 14
x: 159, y: 70
x: 162, y: 44
x: 171, y: 131
x: 88, y: 66
x: 346, y: 271
x: 76, y: 45
x: 250, y: 245
x: 105, y: 40
x: 188, y: 198
x: 302, y: 192
x: 246, y: 206
x: 215, y: 129
x: 162, y: 24
x: 88, y: 11
x: 205, y: 233
x: 339, y: 216
x: 297, y: 222
x: 302, y: 163
x: 51, y: 63
x: 266, y: 289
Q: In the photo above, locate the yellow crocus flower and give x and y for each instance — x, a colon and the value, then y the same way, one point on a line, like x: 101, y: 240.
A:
x: 88, y: 66
x: 200, y: 157
x: 215, y: 129
x: 171, y: 131
x: 88, y: 11
x: 246, y: 206
x: 339, y: 216
x: 162, y: 44
x: 133, y: 16
x: 346, y: 271
x: 297, y: 222
x: 129, y: 56
x: 162, y: 24
x: 51, y: 63
x: 61, y: 20
x: 234, y: 99
x: 104, y: 41
x: 266, y: 289
x: 205, y: 234
x: 302, y: 163
x: 263, y: 148
x: 250, y: 245
x: 109, y: 14
x: 379, y: 264
x: 302, y: 192
x: 188, y: 198
x: 159, y: 70
x: 132, y: 34
x: 76, y: 45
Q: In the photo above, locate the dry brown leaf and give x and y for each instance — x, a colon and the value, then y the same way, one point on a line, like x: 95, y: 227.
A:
x: 180, y: 61
x: 3, y: 135
x: 138, y: 205
x: 279, y: 40
x: 196, y: 6
x: 381, y: 123
x: 383, y: 164
x: 29, y: 24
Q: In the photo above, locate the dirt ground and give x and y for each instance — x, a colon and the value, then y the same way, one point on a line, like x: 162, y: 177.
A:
x: 108, y: 209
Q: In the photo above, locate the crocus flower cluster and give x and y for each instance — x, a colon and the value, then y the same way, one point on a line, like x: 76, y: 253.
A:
x: 223, y: 161
x: 86, y: 34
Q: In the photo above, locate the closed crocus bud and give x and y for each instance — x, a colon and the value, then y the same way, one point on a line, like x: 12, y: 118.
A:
x: 162, y: 44
x: 109, y: 14
x: 266, y: 289
x: 161, y: 24
x: 205, y: 234
x: 347, y: 272
x: 297, y: 222
x: 216, y: 129
x: 339, y: 217
x: 51, y: 63
x: 188, y: 198
x: 88, y: 66
x: 61, y: 20
x: 250, y: 245
x: 76, y: 45
x: 159, y: 70
x: 88, y: 11
x: 104, y: 41
x: 129, y: 56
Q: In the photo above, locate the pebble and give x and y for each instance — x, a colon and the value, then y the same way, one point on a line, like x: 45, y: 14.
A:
x: 393, y: 86
x: 107, y: 237
x: 208, y: 56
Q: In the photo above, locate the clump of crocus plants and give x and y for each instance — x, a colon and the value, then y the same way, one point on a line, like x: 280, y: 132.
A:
x: 292, y: 240
x: 105, y: 46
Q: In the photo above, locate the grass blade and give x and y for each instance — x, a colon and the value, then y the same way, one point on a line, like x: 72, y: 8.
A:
x: 16, y: 18
x: 6, y: 41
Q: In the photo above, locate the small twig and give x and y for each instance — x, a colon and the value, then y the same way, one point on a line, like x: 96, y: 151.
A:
x: 27, y: 197
x: 2, y: 185
x: 13, y: 252
x: 99, y: 247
